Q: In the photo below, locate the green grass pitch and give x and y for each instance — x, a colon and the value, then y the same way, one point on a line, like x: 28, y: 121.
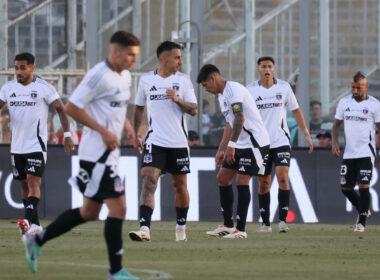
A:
x: 307, y: 251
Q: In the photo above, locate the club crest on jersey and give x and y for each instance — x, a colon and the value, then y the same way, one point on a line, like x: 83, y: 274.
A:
x: 225, y: 105
x: 33, y: 95
x: 147, y: 158
x: 175, y: 86
x: 278, y: 96
x: 365, y: 111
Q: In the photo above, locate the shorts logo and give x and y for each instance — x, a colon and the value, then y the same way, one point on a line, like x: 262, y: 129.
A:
x: 31, y: 169
x: 342, y: 180
x: 15, y: 172
x: 33, y: 95
x: 284, y: 161
x: 147, y: 158
x: 242, y: 169
x: 118, y: 187
x: 365, y: 178
x: 184, y: 169
x: 245, y: 161
x: 365, y: 111
x: 283, y: 155
x: 183, y: 161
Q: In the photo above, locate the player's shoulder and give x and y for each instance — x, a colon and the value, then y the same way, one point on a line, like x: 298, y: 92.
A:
x: 148, y: 76
x: 233, y: 88
x: 42, y: 83
x: 253, y: 85
x: 182, y: 75
x: 10, y: 84
x: 373, y: 100
x: 282, y: 83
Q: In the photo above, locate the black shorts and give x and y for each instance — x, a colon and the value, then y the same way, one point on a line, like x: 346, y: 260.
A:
x: 33, y: 164
x: 98, y: 181
x: 246, y: 162
x: 172, y: 160
x: 358, y: 170
x: 280, y: 156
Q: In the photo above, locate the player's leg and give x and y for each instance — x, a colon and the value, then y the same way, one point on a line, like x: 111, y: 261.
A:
x: 264, y: 201
x: 31, y: 209
x: 181, y: 200
x: 282, y: 173
x: 348, y: 181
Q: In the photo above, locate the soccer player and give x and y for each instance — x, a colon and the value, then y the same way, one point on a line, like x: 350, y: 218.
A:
x: 168, y: 95
x: 100, y: 104
x: 28, y: 98
x: 273, y: 97
x: 242, y: 151
x: 360, y: 113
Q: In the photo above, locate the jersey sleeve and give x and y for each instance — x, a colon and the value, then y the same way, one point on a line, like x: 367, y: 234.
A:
x: 339, y: 111
x: 291, y: 101
x: 377, y: 113
x: 223, y: 109
x: 188, y: 93
x: 140, y: 99
x: 3, y: 96
x: 233, y: 94
x: 52, y: 94
x: 86, y: 90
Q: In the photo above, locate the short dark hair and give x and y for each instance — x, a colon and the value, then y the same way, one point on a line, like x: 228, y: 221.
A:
x: 206, y: 71
x: 315, y: 102
x: 25, y: 56
x: 265, y: 58
x: 358, y: 76
x: 167, y: 46
x: 124, y: 38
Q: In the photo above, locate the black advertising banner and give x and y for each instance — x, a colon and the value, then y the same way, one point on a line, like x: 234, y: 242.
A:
x: 314, y: 180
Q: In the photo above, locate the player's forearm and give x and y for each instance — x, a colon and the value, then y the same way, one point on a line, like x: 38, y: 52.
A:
x: 64, y: 120
x: 237, y: 126
x: 138, y: 115
x: 335, y: 132
x: 301, y: 121
x: 226, y: 137
x: 187, y: 107
x: 1, y: 103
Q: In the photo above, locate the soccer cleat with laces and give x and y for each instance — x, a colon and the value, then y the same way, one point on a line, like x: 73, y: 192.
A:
x: 180, y: 233
x: 220, y: 231
x: 34, y: 229
x: 23, y: 226
x: 236, y: 234
x: 140, y: 235
x: 264, y: 228
x: 283, y: 227
x: 359, y: 228
x: 32, y: 251
x: 122, y: 274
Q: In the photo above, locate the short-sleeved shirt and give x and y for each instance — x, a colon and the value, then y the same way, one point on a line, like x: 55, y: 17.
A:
x: 359, y: 125
x: 253, y: 129
x: 103, y: 94
x: 28, y: 108
x: 167, y: 121
x: 272, y: 104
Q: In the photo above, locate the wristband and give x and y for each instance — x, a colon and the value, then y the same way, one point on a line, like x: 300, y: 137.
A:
x: 66, y: 134
x: 231, y: 144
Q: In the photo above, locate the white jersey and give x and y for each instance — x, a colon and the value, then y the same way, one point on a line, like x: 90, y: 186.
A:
x: 167, y: 121
x: 104, y: 95
x: 254, y: 134
x: 28, y: 108
x: 272, y: 104
x: 359, y: 125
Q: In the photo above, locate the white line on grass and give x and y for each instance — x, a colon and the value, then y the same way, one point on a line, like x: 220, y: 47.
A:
x: 154, y: 274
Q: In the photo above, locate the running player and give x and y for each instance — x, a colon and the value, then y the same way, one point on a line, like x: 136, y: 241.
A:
x: 360, y: 113
x: 273, y: 97
x: 28, y: 98
x: 168, y: 95
x: 242, y: 151
x: 100, y: 103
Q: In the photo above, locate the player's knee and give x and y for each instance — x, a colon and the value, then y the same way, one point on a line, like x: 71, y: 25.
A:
x: 149, y: 183
x: 88, y: 215
x: 283, y: 183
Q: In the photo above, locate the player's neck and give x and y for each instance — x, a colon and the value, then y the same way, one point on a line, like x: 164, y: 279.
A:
x: 31, y: 79
x: 164, y: 73
x: 361, y: 98
x: 267, y: 83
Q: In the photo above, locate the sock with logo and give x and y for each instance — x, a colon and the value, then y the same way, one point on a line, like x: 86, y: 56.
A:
x: 31, y: 213
x: 181, y: 215
x: 244, y: 198
x: 363, y: 205
x: 113, y: 236
x: 66, y: 221
x: 352, y: 197
x: 145, y: 215
x: 264, y: 207
x: 24, y: 202
x: 227, y: 201
x: 283, y: 203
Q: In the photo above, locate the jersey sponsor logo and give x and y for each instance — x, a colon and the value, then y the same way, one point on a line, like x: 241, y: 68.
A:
x: 153, y: 88
x: 355, y: 118
x: 115, y: 104
x: 147, y: 158
x: 242, y: 169
x: 365, y: 111
x: 268, y: 106
x: 259, y: 99
x: 175, y: 86
x: 31, y: 169
x: 13, y: 95
x: 22, y: 103
x: 33, y: 94
x: 158, y: 97
x: 184, y: 169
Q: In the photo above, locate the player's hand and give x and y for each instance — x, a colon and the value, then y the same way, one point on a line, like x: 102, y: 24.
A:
x: 230, y: 155
x: 335, y: 150
x: 68, y: 145
x: 137, y: 144
x: 310, y: 142
x: 172, y: 94
x: 110, y: 140
x: 219, y: 158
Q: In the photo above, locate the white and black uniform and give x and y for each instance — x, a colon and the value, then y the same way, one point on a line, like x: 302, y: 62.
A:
x: 359, y: 129
x: 103, y: 94
x: 273, y: 104
x: 166, y: 146
x: 252, y: 146
x: 28, y: 108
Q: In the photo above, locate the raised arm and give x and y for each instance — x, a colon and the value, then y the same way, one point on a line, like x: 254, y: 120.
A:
x: 297, y: 113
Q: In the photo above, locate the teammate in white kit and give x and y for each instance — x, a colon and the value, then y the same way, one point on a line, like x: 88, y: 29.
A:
x: 360, y: 113
x: 243, y: 149
x: 273, y: 97
x: 28, y: 98
x: 169, y: 96
x: 100, y: 103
